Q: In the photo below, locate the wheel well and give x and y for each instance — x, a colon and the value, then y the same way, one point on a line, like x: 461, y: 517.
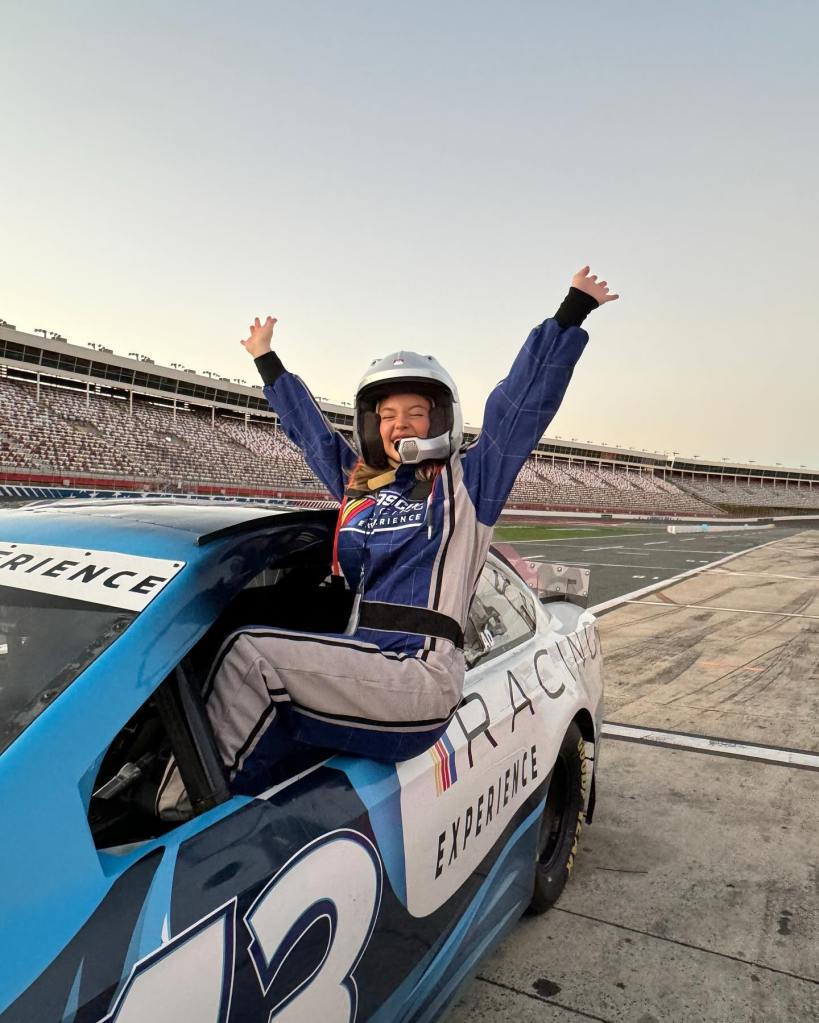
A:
x: 583, y: 720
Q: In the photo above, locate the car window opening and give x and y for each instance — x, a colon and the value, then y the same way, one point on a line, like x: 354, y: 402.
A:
x: 292, y: 592
x: 502, y: 616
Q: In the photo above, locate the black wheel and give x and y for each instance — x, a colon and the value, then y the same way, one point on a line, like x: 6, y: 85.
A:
x: 562, y: 821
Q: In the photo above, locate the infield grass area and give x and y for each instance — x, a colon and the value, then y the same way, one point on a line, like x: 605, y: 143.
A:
x: 560, y: 532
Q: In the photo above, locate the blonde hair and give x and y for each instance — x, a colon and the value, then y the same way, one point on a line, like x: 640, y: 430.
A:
x: 361, y: 473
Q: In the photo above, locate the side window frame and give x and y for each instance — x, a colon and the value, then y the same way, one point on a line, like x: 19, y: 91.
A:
x: 526, y: 612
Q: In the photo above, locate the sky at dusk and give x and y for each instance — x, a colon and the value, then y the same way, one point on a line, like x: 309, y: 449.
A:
x: 429, y: 175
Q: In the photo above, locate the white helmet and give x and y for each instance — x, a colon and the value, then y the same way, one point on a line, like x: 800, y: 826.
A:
x: 413, y: 373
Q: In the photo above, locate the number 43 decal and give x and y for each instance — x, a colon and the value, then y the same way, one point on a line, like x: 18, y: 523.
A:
x: 337, y: 879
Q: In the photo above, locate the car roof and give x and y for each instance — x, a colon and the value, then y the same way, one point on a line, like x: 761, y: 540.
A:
x: 140, y: 524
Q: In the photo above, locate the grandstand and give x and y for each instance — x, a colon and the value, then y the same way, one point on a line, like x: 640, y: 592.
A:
x: 94, y: 421
x: 552, y: 485
x: 63, y: 434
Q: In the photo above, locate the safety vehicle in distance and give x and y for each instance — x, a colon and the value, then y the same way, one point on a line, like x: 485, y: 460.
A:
x: 350, y: 889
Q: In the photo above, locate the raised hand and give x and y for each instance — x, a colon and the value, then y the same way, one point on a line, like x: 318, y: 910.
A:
x: 589, y: 283
x: 260, y: 336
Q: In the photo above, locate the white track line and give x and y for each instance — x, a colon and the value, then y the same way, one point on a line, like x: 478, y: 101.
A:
x: 719, y: 747
x: 706, y: 550
x: 568, y: 539
x: 654, y: 543
x: 608, y: 605
x: 606, y: 564
x: 701, y: 550
x: 733, y: 610
x: 672, y: 551
x: 613, y: 547
x: 609, y: 564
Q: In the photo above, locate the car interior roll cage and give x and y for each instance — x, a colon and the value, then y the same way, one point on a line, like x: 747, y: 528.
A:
x: 181, y: 708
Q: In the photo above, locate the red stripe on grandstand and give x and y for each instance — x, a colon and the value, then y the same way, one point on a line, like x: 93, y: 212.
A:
x: 139, y: 486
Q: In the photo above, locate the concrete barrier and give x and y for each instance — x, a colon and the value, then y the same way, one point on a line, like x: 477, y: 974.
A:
x: 706, y: 527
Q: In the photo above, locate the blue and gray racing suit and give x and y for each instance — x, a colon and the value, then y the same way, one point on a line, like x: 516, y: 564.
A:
x: 413, y: 551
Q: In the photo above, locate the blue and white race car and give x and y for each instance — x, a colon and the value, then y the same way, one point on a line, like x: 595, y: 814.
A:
x: 348, y: 890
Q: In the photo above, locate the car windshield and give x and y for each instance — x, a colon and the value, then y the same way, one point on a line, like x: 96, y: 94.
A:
x: 45, y: 642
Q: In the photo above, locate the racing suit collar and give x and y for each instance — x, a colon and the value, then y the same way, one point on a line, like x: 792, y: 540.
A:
x: 389, y: 475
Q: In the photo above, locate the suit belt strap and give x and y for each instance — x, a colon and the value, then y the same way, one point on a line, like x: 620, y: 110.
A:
x: 421, y: 621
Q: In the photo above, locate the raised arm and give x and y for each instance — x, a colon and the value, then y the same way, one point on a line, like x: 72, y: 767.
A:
x: 523, y: 404
x: 326, y: 451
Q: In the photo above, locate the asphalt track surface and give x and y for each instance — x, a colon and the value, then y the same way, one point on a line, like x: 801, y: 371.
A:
x: 631, y: 560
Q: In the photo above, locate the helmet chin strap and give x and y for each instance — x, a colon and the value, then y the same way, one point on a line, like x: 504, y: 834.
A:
x: 413, y: 450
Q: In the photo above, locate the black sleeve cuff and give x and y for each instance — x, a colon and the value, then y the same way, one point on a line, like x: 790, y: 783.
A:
x: 270, y: 367
x: 574, y: 308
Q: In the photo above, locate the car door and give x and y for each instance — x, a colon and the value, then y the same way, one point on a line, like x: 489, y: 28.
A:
x: 471, y: 805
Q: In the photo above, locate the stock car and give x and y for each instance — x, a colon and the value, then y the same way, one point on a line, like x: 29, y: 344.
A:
x: 349, y: 889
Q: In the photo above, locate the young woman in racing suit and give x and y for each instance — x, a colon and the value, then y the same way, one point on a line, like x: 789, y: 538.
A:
x: 411, y: 540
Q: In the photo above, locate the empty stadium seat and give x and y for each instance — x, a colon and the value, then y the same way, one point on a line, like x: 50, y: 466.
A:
x: 68, y: 432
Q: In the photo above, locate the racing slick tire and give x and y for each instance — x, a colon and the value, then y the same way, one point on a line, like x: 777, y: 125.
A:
x: 561, y: 823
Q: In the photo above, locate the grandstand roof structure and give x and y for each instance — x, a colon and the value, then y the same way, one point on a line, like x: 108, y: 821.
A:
x: 51, y: 360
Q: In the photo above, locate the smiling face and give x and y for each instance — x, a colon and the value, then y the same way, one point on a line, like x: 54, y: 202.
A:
x: 403, y: 415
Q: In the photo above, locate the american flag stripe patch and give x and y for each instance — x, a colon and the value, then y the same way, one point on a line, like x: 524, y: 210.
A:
x: 443, y: 759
